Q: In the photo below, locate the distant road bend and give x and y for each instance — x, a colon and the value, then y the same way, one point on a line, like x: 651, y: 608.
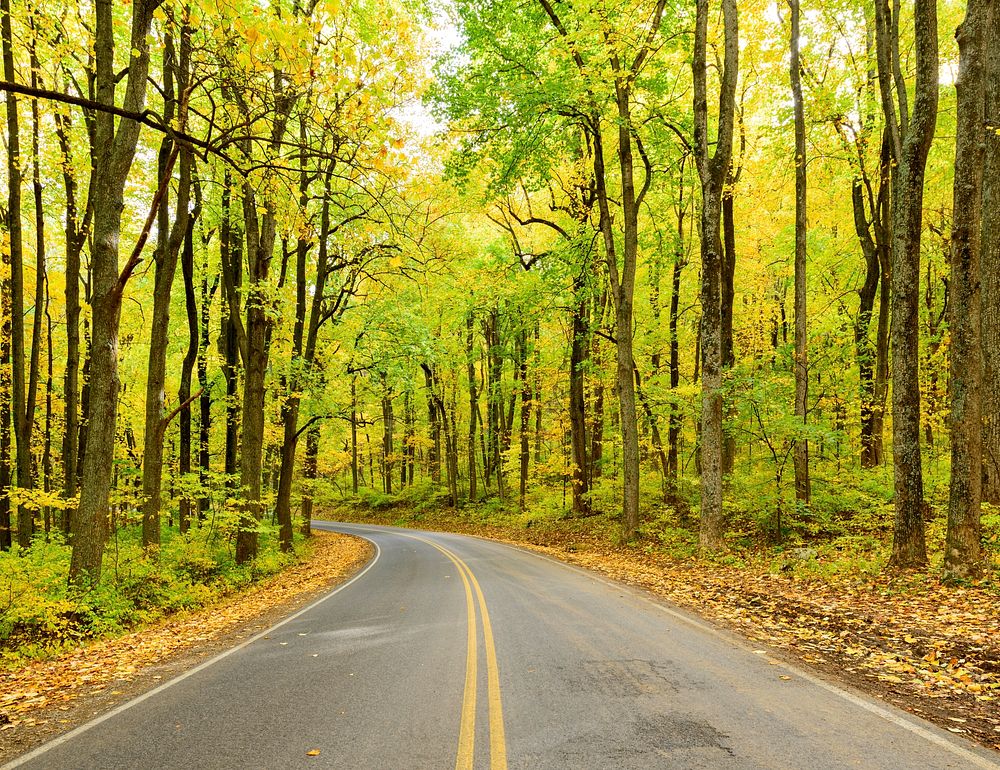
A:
x: 448, y: 651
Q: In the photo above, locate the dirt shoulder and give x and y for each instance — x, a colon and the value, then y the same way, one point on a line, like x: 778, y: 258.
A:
x: 930, y: 649
x: 46, y: 698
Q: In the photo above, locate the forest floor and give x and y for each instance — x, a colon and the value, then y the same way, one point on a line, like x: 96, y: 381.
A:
x: 930, y: 649
x: 44, y: 698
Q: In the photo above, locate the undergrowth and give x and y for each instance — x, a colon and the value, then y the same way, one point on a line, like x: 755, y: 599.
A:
x: 40, y: 614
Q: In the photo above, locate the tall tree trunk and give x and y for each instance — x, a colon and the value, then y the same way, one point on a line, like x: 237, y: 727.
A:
x: 205, y: 400
x: 22, y: 428
x: 75, y: 237
x: 577, y: 402
x: 525, y: 454
x: 712, y: 171
x: 911, y: 140
x: 6, y: 535
x: 727, y: 297
x: 388, y: 441
x: 801, y: 450
x: 963, y: 556
x: 165, y: 257
x: 231, y: 259
x: 864, y: 350
x: 186, y: 505
x: 674, y: 367
x: 623, y: 288
x: 309, y: 472
x: 354, y: 433
x: 115, y: 151
x: 990, y: 265
x: 470, y: 363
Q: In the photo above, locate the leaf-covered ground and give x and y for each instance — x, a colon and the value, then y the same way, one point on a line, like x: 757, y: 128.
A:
x: 47, y: 697
x: 931, y: 649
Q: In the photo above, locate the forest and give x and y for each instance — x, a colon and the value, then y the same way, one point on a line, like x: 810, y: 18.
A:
x: 721, y: 276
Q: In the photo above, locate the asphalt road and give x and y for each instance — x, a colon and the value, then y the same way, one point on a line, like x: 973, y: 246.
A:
x: 562, y: 669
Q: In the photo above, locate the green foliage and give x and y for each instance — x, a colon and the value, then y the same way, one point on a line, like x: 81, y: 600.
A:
x: 40, y: 614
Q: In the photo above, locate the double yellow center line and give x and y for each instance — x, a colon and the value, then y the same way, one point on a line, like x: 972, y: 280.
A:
x: 467, y: 732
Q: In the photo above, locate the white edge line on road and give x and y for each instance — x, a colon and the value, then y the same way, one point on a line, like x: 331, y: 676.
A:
x: 905, y: 722
x: 45, y: 747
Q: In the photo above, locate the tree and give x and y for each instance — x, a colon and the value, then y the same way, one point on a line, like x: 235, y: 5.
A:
x: 115, y: 151
x: 910, y: 139
x: 990, y: 260
x: 963, y: 556
x: 802, y: 485
x: 712, y: 170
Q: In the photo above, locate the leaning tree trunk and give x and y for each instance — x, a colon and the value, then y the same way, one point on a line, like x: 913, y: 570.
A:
x: 963, y: 555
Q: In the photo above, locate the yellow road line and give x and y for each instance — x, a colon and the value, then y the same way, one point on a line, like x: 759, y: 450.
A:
x: 466, y: 758
x: 466, y: 743
x: 498, y: 739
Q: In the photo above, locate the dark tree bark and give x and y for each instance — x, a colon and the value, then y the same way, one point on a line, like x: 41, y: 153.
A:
x: 231, y: 262
x: 990, y: 263
x: 115, y: 150
x: 6, y: 535
x: 354, y: 433
x: 15, y: 285
x: 205, y: 400
x: 801, y: 449
x: 470, y: 364
x: 963, y: 556
x: 674, y: 367
x: 523, y: 436
x: 388, y: 440
x: 310, y: 468
x: 910, y: 137
x: 169, y: 241
x: 579, y: 347
x: 75, y: 238
x: 186, y: 505
x: 260, y: 222
x: 712, y: 171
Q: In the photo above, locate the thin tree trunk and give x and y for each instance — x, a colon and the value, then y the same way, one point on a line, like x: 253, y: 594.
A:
x: 577, y: 402
x: 22, y: 428
x: 354, y: 433
x: 186, y: 505
x: 310, y: 467
x: 470, y: 361
x: 388, y: 440
x: 801, y: 449
x: 963, y: 556
x: 525, y: 455
x: 205, y: 400
x: 990, y: 264
x: 165, y: 257
x: 75, y: 237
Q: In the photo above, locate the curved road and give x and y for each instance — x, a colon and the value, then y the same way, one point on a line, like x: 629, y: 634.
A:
x: 449, y: 651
